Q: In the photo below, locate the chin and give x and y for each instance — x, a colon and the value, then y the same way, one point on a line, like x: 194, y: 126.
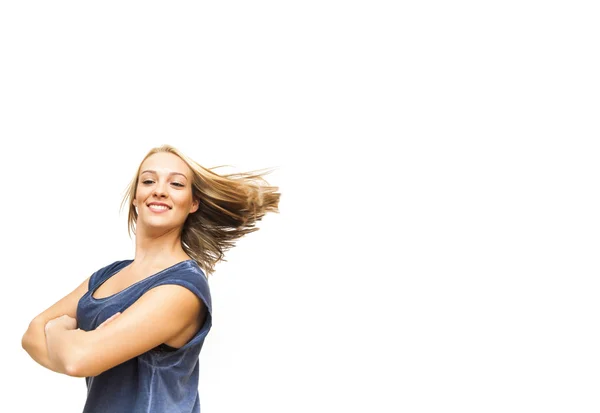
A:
x: 158, y: 223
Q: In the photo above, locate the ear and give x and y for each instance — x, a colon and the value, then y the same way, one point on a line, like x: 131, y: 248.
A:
x: 195, y: 206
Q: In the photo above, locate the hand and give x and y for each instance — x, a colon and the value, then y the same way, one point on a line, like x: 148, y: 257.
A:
x: 69, y: 323
x: 108, y: 320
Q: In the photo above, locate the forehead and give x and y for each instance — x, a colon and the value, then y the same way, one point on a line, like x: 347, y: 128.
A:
x: 164, y: 162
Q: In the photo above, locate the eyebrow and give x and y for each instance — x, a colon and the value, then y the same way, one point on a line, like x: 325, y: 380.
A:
x: 172, y: 173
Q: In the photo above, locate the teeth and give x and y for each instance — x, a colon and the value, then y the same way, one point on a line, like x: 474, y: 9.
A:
x: 158, y: 207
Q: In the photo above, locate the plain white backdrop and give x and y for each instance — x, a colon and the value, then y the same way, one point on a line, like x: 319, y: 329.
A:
x: 437, y: 245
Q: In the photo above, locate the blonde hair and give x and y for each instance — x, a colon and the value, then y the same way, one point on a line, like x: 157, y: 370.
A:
x: 230, y: 205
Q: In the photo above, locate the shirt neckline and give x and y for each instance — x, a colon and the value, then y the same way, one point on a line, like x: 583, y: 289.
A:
x: 132, y: 285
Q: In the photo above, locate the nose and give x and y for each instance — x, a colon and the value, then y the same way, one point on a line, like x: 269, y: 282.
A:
x: 160, y: 190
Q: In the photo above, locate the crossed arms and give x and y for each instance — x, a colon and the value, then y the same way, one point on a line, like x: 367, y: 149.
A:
x: 157, y: 316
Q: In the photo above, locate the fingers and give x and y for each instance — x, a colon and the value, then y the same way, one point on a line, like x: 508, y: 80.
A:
x: 105, y: 322
x: 47, y: 326
x: 108, y: 320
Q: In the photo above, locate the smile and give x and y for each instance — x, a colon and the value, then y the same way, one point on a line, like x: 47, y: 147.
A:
x: 158, y: 208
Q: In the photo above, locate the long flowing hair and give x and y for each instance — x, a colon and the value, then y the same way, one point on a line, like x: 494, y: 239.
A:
x: 230, y: 206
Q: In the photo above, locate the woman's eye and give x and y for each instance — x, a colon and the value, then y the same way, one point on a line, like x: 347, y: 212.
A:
x: 150, y: 181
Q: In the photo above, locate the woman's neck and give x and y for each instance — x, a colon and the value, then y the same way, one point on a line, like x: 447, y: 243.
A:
x: 158, y: 248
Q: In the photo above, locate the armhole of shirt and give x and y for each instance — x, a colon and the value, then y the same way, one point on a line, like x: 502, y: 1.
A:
x: 202, y: 292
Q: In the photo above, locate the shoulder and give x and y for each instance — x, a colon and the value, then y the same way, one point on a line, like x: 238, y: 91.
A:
x: 108, y: 269
x: 189, y: 269
x: 113, y: 265
x: 189, y: 275
x: 194, y: 269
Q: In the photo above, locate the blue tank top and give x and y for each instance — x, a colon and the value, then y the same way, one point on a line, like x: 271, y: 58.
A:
x: 162, y: 380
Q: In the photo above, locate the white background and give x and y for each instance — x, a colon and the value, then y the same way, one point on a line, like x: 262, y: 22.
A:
x: 437, y: 245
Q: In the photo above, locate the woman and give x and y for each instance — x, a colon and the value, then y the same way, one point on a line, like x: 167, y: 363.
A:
x: 134, y: 329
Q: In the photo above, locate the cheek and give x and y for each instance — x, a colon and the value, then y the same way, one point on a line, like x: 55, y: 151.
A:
x: 182, y: 201
x: 141, y: 191
x: 140, y: 196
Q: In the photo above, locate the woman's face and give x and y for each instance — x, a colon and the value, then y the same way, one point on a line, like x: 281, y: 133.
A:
x: 164, y: 192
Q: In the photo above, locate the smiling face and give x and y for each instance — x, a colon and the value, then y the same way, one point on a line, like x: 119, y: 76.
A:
x: 163, y: 197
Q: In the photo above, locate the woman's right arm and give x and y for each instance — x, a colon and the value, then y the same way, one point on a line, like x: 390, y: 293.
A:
x: 34, y: 343
x: 34, y: 339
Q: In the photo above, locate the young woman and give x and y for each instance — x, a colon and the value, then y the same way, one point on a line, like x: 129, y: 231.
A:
x: 134, y: 329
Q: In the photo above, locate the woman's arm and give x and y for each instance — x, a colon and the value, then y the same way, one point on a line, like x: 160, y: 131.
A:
x: 34, y: 343
x: 160, y: 314
x: 34, y: 339
x: 65, y: 343
x: 51, y: 350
